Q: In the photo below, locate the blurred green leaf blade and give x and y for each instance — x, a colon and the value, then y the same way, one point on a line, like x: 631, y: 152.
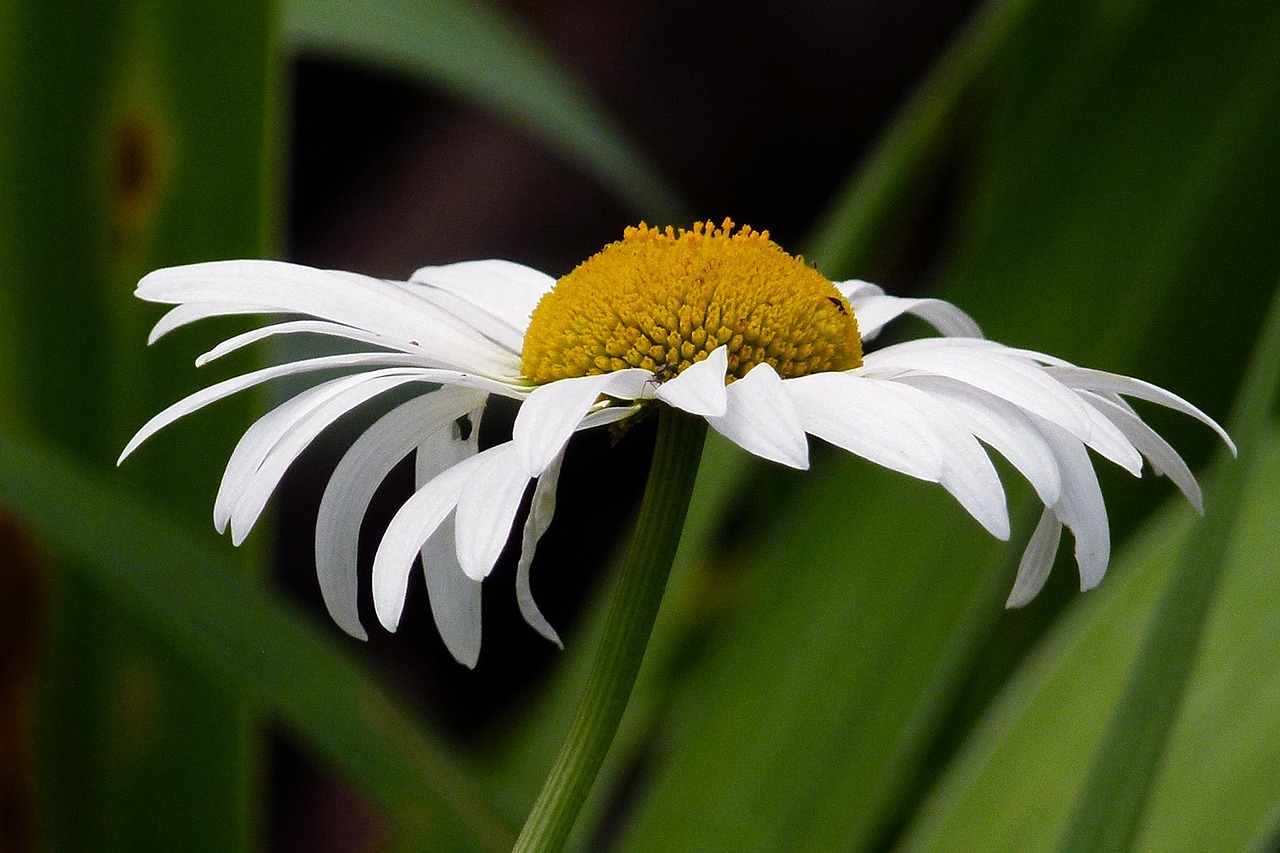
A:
x: 481, y: 53
x: 1014, y: 784
x: 212, y: 614
x: 138, y: 136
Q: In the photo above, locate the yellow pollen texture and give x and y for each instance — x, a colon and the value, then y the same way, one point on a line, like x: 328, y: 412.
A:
x: 665, y: 299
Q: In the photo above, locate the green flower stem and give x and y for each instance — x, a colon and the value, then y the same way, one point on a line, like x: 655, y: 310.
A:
x: 626, y: 632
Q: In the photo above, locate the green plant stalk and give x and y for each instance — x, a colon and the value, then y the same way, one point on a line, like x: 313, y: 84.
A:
x: 626, y: 632
x: 1109, y: 810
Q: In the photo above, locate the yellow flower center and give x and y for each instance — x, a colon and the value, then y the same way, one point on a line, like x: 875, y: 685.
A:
x: 663, y: 300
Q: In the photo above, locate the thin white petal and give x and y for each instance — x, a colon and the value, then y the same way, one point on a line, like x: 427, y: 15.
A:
x: 454, y: 598
x: 354, y: 481
x: 911, y: 431
x: 226, y: 388
x: 416, y: 520
x: 268, y: 431
x: 541, y: 510
x: 507, y: 291
x: 874, y: 312
x: 699, y: 389
x: 553, y: 411
x: 1002, y: 425
x: 487, y: 509
x: 1164, y: 459
x: 1081, y: 507
x: 455, y: 604
x: 187, y: 313
x: 1086, y: 379
x: 993, y: 369
x: 871, y: 418
x: 275, y: 462
x: 857, y: 289
x: 386, y: 308
x: 1037, y: 560
x: 293, y: 327
x: 762, y: 419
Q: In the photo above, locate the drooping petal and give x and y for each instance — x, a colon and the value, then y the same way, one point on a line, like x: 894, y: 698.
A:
x: 454, y: 597
x: 187, y: 313
x: 1037, y: 560
x: 268, y: 447
x: 1081, y: 507
x: 1086, y: 379
x: 871, y: 418
x: 417, y: 519
x: 294, y: 327
x: 1164, y: 459
x: 455, y: 607
x: 762, y: 419
x: 553, y: 411
x: 699, y: 389
x: 1007, y: 376
x: 487, y: 509
x: 357, y: 476
x: 1002, y: 425
x: 506, y: 291
x: 367, y: 303
x: 226, y: 388
x: 906, y: 429
x: 874, y: 310
x: 541, y: 511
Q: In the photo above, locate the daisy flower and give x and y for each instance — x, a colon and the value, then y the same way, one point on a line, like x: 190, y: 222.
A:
x: 723, y: 325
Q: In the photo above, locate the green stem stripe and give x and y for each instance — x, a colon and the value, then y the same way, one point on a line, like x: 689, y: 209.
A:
x: 1108, y: 812
x: 626, y: 632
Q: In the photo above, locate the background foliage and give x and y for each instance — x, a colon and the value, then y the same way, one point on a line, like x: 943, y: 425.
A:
x: 833, y: 667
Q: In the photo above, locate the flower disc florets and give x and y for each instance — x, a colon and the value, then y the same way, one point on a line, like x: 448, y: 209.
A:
x: 662, y: 300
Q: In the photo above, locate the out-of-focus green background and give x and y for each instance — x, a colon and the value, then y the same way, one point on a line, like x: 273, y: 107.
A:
x: 833, y: 668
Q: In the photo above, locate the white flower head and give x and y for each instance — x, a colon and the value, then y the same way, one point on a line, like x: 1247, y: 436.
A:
x: 723, y: 325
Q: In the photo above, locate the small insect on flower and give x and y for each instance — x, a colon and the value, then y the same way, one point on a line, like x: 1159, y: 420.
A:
x: 721, y: 324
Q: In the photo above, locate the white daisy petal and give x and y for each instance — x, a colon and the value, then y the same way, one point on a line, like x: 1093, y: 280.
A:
x: 874, y: 312
x: 293, y: 327
x: 415, y: 521
x: 553, y: 411
x: 1081, y: 507
x: 1086, y: 379
x: 761, y: 418
x: 541, y: 510
x: 357, y: 476
x: 871, y: 418
x: 507, y: 291
x: 1164, y: 459
x: 189, y: 312
x: 855, y: 289
x: 259, y: 487
x: 386, y: 308
x: 902, y: 425
x: 487, y: 508
x: 1002, y: 425
x: 1112, y: 443
x: 699, y: 389
x: 216, y: 392
x: 267, y: 433
x: 1007, y: 376
x: 454, y: 597
x: 1037, y: 560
